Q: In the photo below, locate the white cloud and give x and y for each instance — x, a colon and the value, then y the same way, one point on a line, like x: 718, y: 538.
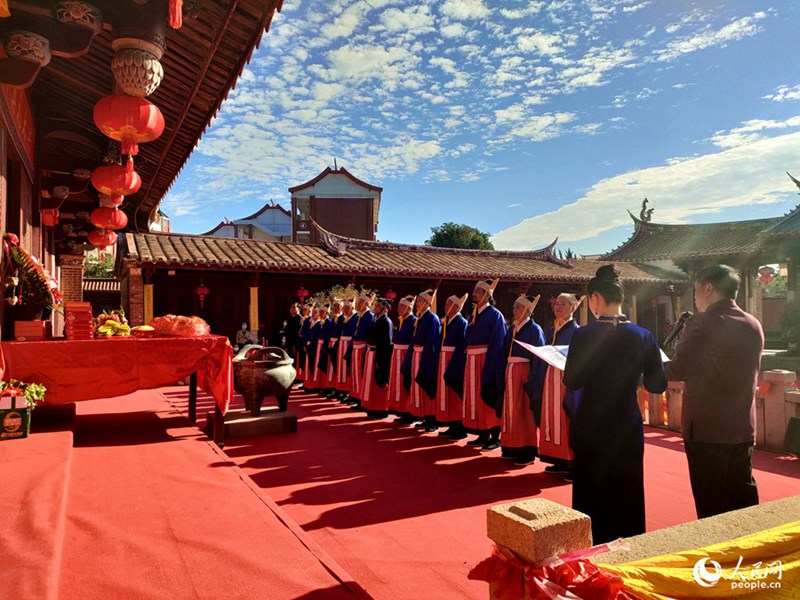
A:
x: 417, y: 20
x: 741, y: 176
x: 784, y: 93
x: 736, y: 30
x: 520, y: 13
x: 464, y: 10
x: 750, y: 131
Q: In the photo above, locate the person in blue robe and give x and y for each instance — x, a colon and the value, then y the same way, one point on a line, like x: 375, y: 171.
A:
x: 521, y: 445
x: 323, y: 351
x: 365, y: 319
x: 311, y: 348
x: 402, y: 338
x: 349, y: 325
x: 483, y: 391
x: 453, y: 376
x: 379, y: 358
x: 606, y: 361
x: 302, y: 341
x: 425, y: 342
x: 331, y: 346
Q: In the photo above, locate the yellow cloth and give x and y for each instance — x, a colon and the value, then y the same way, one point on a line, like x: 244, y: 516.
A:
x: 4, y: 12
x: 767, y: 558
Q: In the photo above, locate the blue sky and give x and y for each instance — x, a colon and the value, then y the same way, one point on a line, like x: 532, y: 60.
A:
x: 529, y: 120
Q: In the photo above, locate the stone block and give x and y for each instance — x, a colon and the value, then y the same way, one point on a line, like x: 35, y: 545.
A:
x: 239, y: 422
x: 775, y: 407
x: 780, y: 376
x: 538, y: 528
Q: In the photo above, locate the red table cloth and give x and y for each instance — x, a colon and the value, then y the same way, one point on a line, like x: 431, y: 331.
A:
x: 103, y: 368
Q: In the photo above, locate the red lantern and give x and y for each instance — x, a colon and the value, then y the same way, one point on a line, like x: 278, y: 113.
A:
x: 302, y: 293
x: 767, y: 275
x: 115, y: 180
x: 202, y: 291
x: 129, y: 120
x: 108, y: 218
x: 391, y: 294
x: 50, y: 217
x: 100, y: 239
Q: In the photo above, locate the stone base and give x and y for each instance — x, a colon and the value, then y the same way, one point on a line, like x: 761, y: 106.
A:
x: 239, y: 422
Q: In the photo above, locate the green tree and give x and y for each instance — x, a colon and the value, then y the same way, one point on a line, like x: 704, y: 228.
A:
x: 776, y: 289
x: 99, y: 265
x: 568, y: 254
x: 453, y: 235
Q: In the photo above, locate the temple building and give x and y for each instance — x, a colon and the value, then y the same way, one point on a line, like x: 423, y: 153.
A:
x: 256, y: 281
x: 272, y: 223
x: 337, y: 201
x: 748, y: 246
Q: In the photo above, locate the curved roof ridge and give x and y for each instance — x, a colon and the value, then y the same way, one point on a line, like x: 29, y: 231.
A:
x: 327, y: 171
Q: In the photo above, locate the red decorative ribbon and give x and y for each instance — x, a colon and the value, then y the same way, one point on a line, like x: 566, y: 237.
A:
x: 767, y: 386
x: 575, y: 579
x: 176, y: 13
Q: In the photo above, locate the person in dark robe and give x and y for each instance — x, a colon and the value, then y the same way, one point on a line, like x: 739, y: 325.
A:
x: 518, y: 437
x: 400, y: 398
x: 421, y: 366
x: 485, y: 368
x: 349, y: 324
x: 312, y: 343
x: 323, y: 341
x: 552, y: 400
x: 375, y: 399
x: 449, y: 402
x: 337, y: 320
x: 302, y: 342
x: 606, y: 360
x: 293, y: 330
x: 358, y: 349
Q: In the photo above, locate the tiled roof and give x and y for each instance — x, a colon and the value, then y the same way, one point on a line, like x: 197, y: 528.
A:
x: 101, y: 285
x: 363, y: 258
x: 652, y: 241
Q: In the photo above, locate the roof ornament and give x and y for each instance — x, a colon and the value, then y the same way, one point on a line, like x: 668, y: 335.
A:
x: 646, y: 214
x: 333, y: 244
x: 796, y: 182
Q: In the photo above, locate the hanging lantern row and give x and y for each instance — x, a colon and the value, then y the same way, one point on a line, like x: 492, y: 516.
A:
x: 115, y: 180
x: 108, y: 218
x: 129, y: 120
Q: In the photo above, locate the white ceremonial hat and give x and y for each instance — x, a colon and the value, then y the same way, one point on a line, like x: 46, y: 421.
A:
x: 487, y: 285
x: 528, y: 302
x: 459, y: 301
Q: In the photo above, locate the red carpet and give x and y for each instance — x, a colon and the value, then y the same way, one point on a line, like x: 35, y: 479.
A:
x: 404, y: 512
x: 147, y: 507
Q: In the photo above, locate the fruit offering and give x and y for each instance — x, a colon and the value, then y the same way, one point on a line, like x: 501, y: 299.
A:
x: 143, y: 331
x: 111, y: 328
x: 117, y: 315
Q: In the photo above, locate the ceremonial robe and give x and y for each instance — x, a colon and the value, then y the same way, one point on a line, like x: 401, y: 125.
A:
x: 484, y: 370
x: 421, y: 365
x: 312, y: 340
x: 606, y: 360
x: 342, y: 349
x: 399, y: 396
x: 301, y: 357
x: 449, y: 405
x: 376, y: 367
x: 333, y: 343
x: 293, y: 334
x: 553, y: 402
x: 522, y: 372
x: 358, y: 351
x: 323, y: 346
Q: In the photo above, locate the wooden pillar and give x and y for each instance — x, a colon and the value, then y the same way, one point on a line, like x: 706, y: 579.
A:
x: 147, y: 296
x: 254, y: 303
x: 135, y: 299
x: 634, y: 316
x: 71, y: 279
x: 584, y: 312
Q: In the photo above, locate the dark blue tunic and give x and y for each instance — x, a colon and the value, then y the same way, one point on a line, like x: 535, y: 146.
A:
x: 362, y: 323
x: 530, y: 333
x: 335, y: 333
x: 405, y: 332
x: 325, y: 336
x: 606, y: 361
x: 489, y: 329
x: 456, y: 337
x: 428, y: 330
x: 380, y: 336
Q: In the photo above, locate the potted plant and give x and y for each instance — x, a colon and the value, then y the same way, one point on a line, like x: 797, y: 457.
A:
x: 15, y: 421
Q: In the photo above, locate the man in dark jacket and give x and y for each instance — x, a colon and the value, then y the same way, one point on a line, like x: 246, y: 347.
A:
x: 719, y: 358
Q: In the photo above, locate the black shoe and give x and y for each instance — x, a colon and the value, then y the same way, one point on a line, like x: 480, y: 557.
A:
x: 421, y: 425
x: 458, y: 435
x: 555, y: 469
x: 524, y: 460
x: 446, y: 432
x: 509, y: 456
x: 331, y: 395
x: 478, y: 441
x: 431, y: 428
x: 568, y: 477
x: 491, y: 445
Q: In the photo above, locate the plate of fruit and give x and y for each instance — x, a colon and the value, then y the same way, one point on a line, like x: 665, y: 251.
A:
x: 111, y: 324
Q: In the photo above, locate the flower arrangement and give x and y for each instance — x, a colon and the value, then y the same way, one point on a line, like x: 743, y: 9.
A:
x: 28, y: 280
x: 33, y: 393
